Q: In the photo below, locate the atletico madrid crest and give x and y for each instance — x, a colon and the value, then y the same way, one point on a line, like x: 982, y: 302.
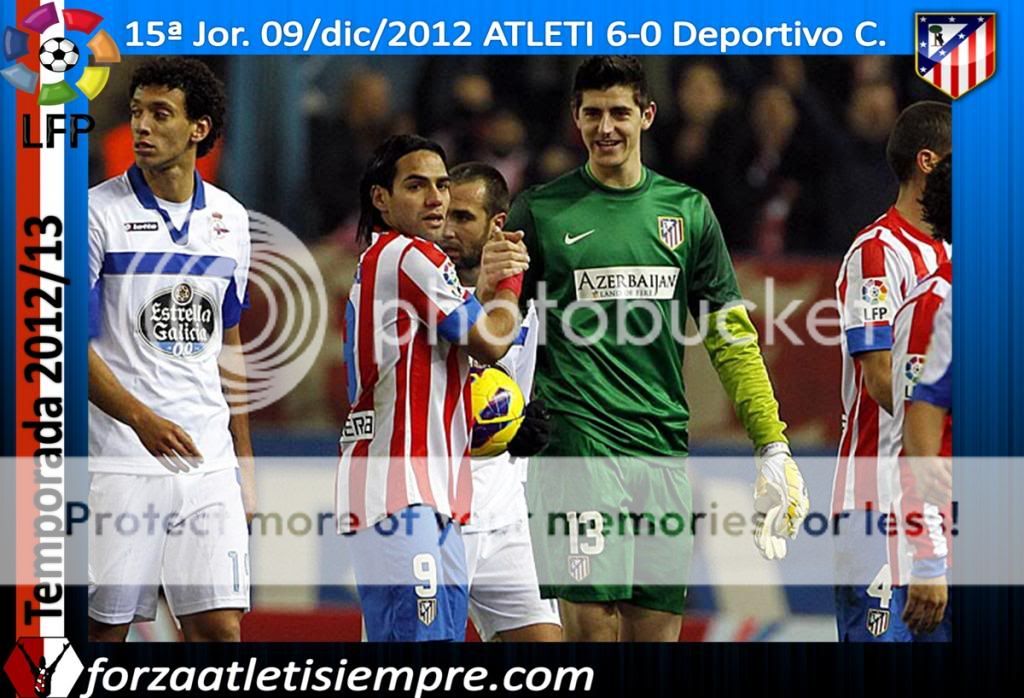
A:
x: 877, y: 621
x: 956, y: 52
x: 426, y: 610
x: 579, y: 567
x: 670, y: 230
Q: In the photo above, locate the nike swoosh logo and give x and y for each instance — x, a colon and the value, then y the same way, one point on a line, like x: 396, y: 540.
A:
x: 573, y: 239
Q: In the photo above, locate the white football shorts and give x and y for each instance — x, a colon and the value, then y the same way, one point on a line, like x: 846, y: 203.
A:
x: 503, y: 590
x: 184, y: 532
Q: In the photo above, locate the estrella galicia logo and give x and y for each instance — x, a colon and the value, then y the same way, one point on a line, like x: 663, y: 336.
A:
x: 43, y: 667
x: 60, y: 54
x: 179, y: 321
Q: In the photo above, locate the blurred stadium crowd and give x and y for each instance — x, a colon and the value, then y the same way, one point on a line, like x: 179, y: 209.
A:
x: 790, y: 150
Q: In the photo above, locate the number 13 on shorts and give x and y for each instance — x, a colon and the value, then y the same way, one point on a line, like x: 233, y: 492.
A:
x: 593, y: 534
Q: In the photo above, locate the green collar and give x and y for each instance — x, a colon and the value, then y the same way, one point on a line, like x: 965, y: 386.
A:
x: 645, y: 180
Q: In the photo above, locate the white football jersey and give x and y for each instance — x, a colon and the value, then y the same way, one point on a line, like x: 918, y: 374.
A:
x: 497, y: 482
x: 160, y: 299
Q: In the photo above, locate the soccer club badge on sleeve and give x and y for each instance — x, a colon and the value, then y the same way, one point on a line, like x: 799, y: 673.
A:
x: 955, y: 52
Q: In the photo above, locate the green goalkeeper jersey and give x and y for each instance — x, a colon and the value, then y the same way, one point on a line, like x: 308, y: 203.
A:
x: 618, y: 270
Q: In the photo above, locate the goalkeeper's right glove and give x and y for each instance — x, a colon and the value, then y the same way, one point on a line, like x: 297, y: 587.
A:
x: 780, y: 497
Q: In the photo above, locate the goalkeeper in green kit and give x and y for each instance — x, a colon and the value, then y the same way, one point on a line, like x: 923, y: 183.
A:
x: 618, y: 256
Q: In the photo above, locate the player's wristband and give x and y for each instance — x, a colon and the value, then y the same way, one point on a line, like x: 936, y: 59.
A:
x: 511, y: 283
x: 929, y: 568
x: 771, y: 449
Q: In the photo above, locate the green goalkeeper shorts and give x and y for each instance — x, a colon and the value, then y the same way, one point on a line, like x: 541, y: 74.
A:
x: 609, y: 528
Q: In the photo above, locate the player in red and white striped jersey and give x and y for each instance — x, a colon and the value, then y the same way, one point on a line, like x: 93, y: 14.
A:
x: 912, y: 333
x: 404, y: 482
x: 924, y: 327
x: 886, y: 261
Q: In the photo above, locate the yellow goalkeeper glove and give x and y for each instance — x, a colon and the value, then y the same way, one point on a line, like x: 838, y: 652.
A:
x: 780, y: 497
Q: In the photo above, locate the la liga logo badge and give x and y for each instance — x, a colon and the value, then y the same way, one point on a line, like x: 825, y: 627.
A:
x: 59, y: 55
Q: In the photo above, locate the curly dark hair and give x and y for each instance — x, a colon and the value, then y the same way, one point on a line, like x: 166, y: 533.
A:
x: 937, y: 200
x: 204, y: 92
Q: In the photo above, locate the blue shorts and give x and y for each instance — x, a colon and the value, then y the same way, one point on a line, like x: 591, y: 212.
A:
x: 411, y: 575
x: 864, y: 618
x: 872, y: 611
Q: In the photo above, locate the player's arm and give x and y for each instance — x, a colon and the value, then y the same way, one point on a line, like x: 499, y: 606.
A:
x: 487, y: 331
x: 233, y: 383
x: 931, y: 400
x: 732, y: 345
x: 869, y: 308
x: 233, y: 376
x: 731, y: 342
x: 876, y: 367
x: 923, y: 428
x: 499, y: 285
x: 165, y: 440
x: 491, y: 336
x: 520, y: 217
x: 927, y: 593
x: 780, y: 495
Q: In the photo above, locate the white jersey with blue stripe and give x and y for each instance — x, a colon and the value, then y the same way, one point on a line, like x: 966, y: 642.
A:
x: 160, y: 299
x: 497, y: 482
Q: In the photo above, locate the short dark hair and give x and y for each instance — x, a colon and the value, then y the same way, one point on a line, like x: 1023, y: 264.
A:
x: 922, y: 125
x: 204, y: 92
x: 380, y: 171
x: 496, y: 196
x: 604, y: 72
x: 937, y: 199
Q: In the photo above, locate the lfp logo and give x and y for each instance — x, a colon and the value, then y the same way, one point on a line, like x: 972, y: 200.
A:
x: 60, y: 54
x: 874, y: 291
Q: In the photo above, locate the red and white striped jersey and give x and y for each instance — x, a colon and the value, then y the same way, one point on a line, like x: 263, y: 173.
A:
x: 406, y: 439
x: 912, y: 333
x: 885, y: 262
x: 921, y: 534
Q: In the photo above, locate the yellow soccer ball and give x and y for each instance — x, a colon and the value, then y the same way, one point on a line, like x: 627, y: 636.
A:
x: 497, y: 410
